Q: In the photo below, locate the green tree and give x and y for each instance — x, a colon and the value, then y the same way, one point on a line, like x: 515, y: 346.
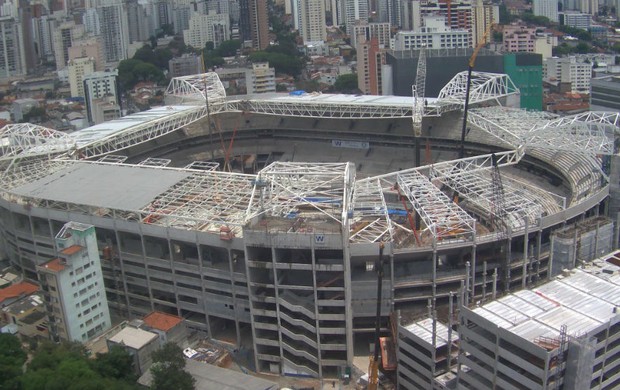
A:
x: 229, y: 48
x: 66, y: 366
x: 346, y: 83
x: 167, y: 369
x: 117, y: 363
x: 12, y: 358
x: 145, y: 54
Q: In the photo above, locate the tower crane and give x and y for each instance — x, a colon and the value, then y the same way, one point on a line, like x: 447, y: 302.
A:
x: 418, y: 93
x: 373, y: 367
x: 470, y: 68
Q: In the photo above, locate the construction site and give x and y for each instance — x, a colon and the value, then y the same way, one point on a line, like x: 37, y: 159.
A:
x: 258, y: 219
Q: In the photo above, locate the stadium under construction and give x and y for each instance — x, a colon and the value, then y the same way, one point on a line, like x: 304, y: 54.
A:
x: 258, y: 218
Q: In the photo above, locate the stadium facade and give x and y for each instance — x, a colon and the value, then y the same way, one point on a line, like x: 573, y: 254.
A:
x: 279, y: 259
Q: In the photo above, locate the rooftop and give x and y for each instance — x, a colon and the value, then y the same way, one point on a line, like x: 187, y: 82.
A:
x: 583, y: 300
x: 55, y: 265
x: 133, y: 337
x: 24, y: 305
x: 18, y: 290
x: 73, y: 249
x: 162, y: 321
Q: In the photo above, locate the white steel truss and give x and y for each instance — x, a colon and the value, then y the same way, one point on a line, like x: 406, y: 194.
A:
x: 418, y: 93
x: 26, y: 139
x: 591, y: 132
x: 456, y: 168
x: 291, y: 190
x: 203, y: 165
x: 477, y: 189
x: 113, y: 159
x: 205, y: 201
x: 371, y: 220
x: 155, y: 162
x: 141, y: 133
x: 484, y: 87
x: 319, y: 109
x: 510, y: 125
x: 443, y: 218
x: 195, y: 89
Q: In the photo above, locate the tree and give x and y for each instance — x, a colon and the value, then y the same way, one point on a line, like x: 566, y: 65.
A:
x: 117, y: 363
x: 66, y: 366
x: 167, y: 369
x: 229, y: 48
x: 12, y: 358
x: 346, y: 83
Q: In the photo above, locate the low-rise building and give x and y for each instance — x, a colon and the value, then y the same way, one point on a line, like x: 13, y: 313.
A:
x: 139, y: 343
x: 170, y: 328
x: 29, y: 315
x: 261, y: 78
x: 185, y: 65
x: 15, y: 292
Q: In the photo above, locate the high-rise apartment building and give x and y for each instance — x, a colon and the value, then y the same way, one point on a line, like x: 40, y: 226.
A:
x: 435, y: 35
x: 254, y: 23
x: 569, y: 70
x: 367, y: 31
x: 370, y: 58
x: 313, y: 28
x: 88, y: 47
x: 518, y: 38
x: 73, y: 286
x: 12, y: 61
x: 207, y: 28
x: 114, y: 30
x: 97, y: 86
x: 63, y: 37
x: 78, y: 68
x: 484, y: 15
x: 354, y: 12
x: 546, y: 8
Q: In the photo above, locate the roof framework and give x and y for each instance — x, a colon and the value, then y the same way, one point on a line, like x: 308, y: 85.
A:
x: 509, y: 125
x: 204, y: 201
x: 456, y: 168
x: 372, y: 220
x: 141, y: 133
x: 484, y: 87
x: 195, y: 89
x: 590, y: 132
x: 320, y: 108
x: 477, y: 188
x: 26, y: 139
x: 288, y: 189
x: 444, y: 218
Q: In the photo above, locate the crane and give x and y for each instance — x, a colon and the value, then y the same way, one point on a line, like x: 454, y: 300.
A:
x: 470, y: 67
x: 418, y: 92
x: 373, y: 367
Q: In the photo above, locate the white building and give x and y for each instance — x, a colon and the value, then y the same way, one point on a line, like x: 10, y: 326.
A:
x: 261, y: 78
x: 12, y: 60
x: 73, y: 285
x: 114, y: 31
x: 207, y: 28
x: 575, y: 19
x: 381, y: 31
x: 546, y: 8
x: 353, y: 11
x: 100, y: 85
x: 569, y: 70
x: 435, y: 35
x: 78, y: 68
x: 313, y: 28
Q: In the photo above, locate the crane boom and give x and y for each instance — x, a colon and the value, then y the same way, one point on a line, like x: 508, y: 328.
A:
x: 373, y: 367
x: 470, y: 67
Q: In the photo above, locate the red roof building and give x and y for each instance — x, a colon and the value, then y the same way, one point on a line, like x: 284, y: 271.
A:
x: 17, y: 291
